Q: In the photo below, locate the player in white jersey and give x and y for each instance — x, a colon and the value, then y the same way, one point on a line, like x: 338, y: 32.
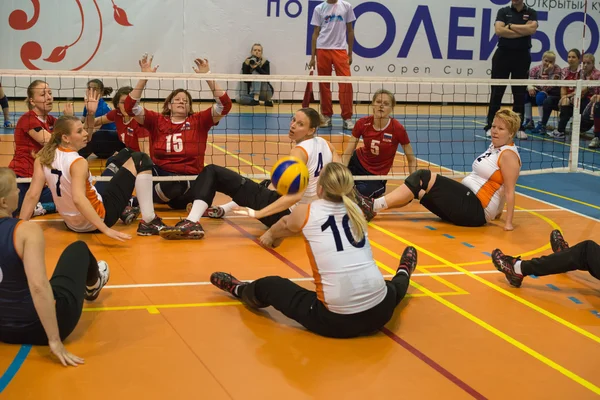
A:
x: 67, y: 174
x: 481, y: 196
x: 351, y: 297
x: 253, y: 199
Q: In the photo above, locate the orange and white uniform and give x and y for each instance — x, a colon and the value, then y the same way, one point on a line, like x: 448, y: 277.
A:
x: 319, y: 154
x: 486, y: 180
x: 346, y: 277
x: 60, y: 183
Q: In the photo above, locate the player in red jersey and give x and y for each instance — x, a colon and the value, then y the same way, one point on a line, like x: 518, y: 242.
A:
x: 33, y: 130
x: 381, y: 135
x: 178, y: 135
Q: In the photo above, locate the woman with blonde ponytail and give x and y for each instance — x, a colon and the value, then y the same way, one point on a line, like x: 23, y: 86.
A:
x: 351, y: 298
x: 82, y: 206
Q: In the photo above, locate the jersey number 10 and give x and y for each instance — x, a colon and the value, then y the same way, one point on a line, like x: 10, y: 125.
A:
x: 330, y: 223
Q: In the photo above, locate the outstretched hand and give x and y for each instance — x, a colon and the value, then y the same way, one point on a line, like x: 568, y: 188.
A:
x: 58, y: 349
x: 244, y: 212
x: 146, y: 63
x: 201, y: 66
x: 91, y: 101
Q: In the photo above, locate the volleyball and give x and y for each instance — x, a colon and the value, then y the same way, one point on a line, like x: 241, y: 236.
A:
x: 289, y: 175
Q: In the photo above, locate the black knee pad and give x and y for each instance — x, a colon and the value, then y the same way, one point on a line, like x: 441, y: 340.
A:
x: 142, y: 161
x: 120, y: 159
x: 169, y: 190
x: 417, y: 181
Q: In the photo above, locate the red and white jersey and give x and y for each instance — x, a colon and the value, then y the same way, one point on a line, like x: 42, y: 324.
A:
x: 178, y: 147
x: 59, y: 181
x: 25, y: 145
x: 486, y: 180
x: 380, y: 146
x: 346, y: 277
x: 318, y: 152
x: 129, y: 132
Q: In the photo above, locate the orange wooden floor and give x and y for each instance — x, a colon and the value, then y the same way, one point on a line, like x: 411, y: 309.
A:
x: 160, y: 330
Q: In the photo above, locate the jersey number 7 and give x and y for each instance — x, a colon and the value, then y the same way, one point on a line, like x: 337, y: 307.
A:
x: 59, y: 173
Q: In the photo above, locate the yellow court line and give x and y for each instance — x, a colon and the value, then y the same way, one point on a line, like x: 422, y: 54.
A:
x: 154, y: 309
x: 569, y: 374
x: 437, y: 278
x: 239, y: 158
x: 559, y: 196
x: 493, y: 286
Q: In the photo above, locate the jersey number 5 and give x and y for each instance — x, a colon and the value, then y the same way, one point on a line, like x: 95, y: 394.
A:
x: 375, y: 147
x: 59, y: 173
x: 174, y: 143
x: 330, y: 223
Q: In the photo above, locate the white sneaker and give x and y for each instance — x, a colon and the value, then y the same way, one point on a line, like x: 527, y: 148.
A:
x: 39, y: 210
x: 521, y: 135
x: 91, y: 293
x: 595, y: 143
x: 557, y: 135
x: 488, y: 133
x: 348, y: 124
x: 325, y: 122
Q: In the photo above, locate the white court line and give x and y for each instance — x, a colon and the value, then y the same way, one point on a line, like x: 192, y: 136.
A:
x: 175, y: 284
x: 380, y: 213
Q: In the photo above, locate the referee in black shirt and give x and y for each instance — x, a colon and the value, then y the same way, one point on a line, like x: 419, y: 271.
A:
x: 514, y: 25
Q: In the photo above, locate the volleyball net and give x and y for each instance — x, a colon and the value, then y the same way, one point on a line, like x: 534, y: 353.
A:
x: 444, y: 118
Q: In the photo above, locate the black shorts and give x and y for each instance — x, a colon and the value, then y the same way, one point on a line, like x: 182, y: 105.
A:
x: 454, y: 202
x: 117, y: 194
x: 257, y: 197
x: 371, y: 189
x: 176, y: 194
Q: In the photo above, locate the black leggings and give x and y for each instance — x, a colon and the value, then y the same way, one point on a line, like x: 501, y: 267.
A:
x: 302, y: 305
x: 243, y: 191
x: 76, y: 267
x: 584, y: 256
x: 116, y: 194
x: 454, y: 202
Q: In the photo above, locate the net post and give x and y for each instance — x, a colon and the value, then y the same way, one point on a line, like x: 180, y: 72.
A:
x: 575, y: 134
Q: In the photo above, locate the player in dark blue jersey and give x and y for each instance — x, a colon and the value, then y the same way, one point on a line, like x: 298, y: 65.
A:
x: 34, y: 310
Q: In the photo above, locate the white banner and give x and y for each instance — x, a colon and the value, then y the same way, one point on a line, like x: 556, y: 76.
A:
x: 400, y: 38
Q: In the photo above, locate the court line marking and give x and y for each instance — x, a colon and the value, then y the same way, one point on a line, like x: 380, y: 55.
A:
x: 521, y: 346
x: 308, y: 279
x: 491, y: 285
x: 14, y: 366
x: 559, y: 207
x: 559, y: 196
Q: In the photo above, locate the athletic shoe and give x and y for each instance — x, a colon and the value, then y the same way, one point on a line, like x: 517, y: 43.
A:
x: 557, y: 241
x: 214, y: 212
x: 91, y: 293
x: 7, y: 124
x: 325, y: 122
x: 595, y: 143
x: 184, y: 229
x: 226, y: 282
x: 130, y: 214
x: 39, y: 210
x: 348, y: 124
x: 521, y: 135
x: 506, y: 265
x: 408, y: 261
x: 151, y: 228
x: 366, y: 205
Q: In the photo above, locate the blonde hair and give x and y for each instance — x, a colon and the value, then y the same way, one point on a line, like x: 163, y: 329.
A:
x: 549, y: 54
x: 511, y: 119
x: 62, y: 126
x: 338, y: 186
x: 387, y: 92
x: 7, y: 178
x: 31, y: 92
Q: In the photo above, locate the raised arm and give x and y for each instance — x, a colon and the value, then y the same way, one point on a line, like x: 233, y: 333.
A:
x: 30, y: 246
x: 223, y: 102
x: 132, y: 106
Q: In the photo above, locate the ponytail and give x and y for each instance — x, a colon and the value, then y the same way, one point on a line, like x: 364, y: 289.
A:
x: 338, y: 186
x: 62, y: 127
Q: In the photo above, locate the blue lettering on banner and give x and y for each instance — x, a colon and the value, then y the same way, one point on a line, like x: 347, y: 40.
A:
x: 459, y: 18
x: 277, y: 4
x: 457, y: 31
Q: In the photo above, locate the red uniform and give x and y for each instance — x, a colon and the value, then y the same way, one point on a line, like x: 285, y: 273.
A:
x: 128, y: 132
x: 377, y: 155
x: 178, y: 147
x: 25, y: 145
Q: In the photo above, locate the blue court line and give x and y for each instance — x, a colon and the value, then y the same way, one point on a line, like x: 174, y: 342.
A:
x: 533, y: 276
x: 596, y: 313
x: 431, y: 228
x: 575, y: 300
x: 486, y: 253
x: 468, y: 244
x: 415, y: 220
x: 552, y: 287
x: 14, y: 366
x: 448, y: 236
